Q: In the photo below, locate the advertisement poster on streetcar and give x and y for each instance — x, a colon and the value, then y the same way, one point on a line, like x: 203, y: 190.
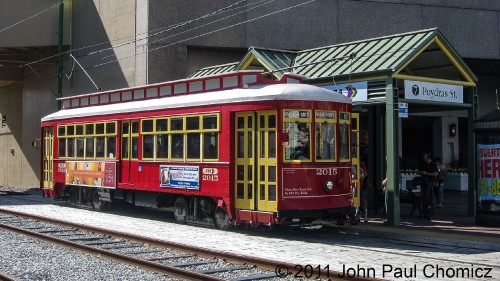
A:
x: 183, y: 177
x: 489, y: 171
x: 91, y: 173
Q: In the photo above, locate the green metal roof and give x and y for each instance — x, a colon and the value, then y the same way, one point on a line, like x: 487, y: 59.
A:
x: 214, y: 70
x: 424, y: 53
x: 373, y: 55
x: 273, y: 60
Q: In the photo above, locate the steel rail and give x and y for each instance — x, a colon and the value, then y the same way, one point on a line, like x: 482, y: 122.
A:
x: 262, y: 263
x: 157, y: 267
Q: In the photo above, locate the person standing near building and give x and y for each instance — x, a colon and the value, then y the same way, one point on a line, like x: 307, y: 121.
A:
x: 430, y: 172
x: 362, y: 210
x: 441, y: 178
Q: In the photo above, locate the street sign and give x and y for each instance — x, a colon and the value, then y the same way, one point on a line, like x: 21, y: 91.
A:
x: 403, y: 110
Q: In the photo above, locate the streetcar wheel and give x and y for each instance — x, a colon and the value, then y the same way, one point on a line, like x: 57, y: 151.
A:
x: 180, y: 210
x: 221, y: 219
x: 97, y: 203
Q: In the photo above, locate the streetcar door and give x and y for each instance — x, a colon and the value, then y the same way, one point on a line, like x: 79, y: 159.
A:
x: 48, y: 157
x: 129, y: 151
x: 256, y: 162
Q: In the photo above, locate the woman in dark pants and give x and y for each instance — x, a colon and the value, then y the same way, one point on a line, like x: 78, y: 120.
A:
x: 430, y: 172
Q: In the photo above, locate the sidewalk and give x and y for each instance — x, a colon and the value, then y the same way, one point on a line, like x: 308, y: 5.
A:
x: 449, y: 221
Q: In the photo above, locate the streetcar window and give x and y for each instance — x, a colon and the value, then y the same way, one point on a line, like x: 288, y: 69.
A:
x: 89, y: 129
x: 193, y: 146
x: 110, y: 128
x: 344, y: 126
x: 100, y: 147
x: 210, y: 122
x: 61, y: 131
x: 297, y: 124
x: 344, y: 141
x: 325, y: 135
x: 210, y: 145
x: 147, y: 146
x: 135, y: 147
x: 79, y: 130
x: 249, y: 190
x: 111, y: 147
x: 262, y: 144
x: 147, y: 126
x: 80, y: 147
x: 99, y: 128
x: 135, y: 127
x: 271, y: 123
x: 62, y: 148
x: 262, y: 121
x: 271, y: 171
x: 89, y: 148
x: 241, y: 122
x: 192, y: 123
x: 71, y: 148
x: 271, y: 192
x: 70, y: 130
x: 125, y: 128
x: 298, y: 141
x: 271, y: 144
x: 177, y: 149
x: 176, y: 124
x: 125, y: 147
x: 325, y: 141
x: 250, y: 144
x: 162, y: 146
x: 162, y: 125
x: 240, y: 191
x: 241, y: 145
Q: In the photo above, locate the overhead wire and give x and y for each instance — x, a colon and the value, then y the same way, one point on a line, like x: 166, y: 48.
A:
x: 207, y: 33
x: 30, y: 17
x: 158, y: 31
x: 255, y: 5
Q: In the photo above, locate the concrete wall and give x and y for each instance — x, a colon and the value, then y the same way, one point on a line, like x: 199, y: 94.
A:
x: 103, y: 37
x: 24, y: 29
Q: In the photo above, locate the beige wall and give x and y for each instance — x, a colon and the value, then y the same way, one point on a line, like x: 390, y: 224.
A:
x: 11, y: 99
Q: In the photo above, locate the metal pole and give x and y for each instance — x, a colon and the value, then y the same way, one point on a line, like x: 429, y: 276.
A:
x: 60, y: 51
x: 392, y: 143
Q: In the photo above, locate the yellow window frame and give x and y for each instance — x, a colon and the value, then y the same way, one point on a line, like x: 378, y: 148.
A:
x: 347, y: 121
x: 321, y: 117
x: 293, y: 116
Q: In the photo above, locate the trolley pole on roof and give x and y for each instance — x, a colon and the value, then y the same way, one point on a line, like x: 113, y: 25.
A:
x: 59, y: 53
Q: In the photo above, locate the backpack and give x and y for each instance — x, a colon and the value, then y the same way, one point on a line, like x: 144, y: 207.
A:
x: 442, y: 172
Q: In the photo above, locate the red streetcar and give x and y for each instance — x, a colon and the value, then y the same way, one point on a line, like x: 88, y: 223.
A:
x: 221, y: 150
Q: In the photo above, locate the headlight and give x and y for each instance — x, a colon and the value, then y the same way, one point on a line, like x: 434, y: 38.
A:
x: 329, y: 185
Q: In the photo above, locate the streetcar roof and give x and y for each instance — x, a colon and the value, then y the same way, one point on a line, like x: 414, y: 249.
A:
x: 253, y: 93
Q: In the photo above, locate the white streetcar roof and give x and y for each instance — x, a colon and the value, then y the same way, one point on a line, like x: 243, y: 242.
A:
x: 256, y: 93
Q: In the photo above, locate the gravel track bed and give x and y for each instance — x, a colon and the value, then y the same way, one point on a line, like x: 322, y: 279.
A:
x: 32, y: 260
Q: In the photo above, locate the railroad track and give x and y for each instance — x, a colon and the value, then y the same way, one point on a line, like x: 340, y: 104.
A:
x: 175, y: 260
